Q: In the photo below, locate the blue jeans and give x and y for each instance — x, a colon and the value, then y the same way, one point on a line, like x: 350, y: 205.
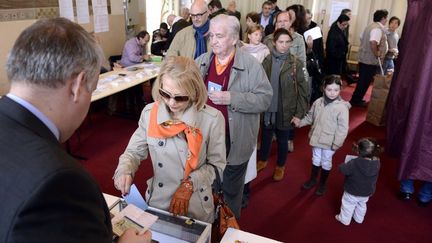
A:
x: 425, y: 193
x: 282, y: 137
x: 388, y: 64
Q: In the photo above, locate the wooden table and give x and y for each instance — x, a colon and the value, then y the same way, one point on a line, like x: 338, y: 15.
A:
x: 118, y: 80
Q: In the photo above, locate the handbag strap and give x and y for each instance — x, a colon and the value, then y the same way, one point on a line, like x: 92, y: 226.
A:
x: 295, y: 74
x: 217, y: 184
x: 380, y: 65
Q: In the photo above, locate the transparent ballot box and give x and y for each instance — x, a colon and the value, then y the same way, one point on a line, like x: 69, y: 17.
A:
x: 169, y: 228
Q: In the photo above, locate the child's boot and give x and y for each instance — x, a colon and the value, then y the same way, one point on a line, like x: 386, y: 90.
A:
x: 279, y: 172
x: 313, y: 178
x: 322, y: 183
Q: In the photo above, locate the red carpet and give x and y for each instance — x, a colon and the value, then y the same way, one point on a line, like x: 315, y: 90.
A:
x: 281, y: 210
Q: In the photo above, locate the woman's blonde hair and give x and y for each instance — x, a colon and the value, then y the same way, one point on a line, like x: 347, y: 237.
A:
x: 253, y: 29
x: 185, y: 73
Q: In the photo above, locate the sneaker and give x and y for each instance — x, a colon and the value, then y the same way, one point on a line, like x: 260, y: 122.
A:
x: 338, y: 218
x: 405, y: 196
x: 290, y: 146
x: 279, y: 172
x: 261, y: 164
x: 422, y: 204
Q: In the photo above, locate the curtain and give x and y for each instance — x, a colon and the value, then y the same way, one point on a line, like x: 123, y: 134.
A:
x: 409, y: 106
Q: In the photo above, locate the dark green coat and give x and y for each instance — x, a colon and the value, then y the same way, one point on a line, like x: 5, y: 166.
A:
x: 293, y: 92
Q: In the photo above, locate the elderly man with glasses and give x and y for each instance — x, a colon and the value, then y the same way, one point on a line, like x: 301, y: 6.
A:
x: 192, y: 41
x: 240, y: 89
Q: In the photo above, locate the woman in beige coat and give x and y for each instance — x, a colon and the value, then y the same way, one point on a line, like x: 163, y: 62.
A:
x: 184, y: 136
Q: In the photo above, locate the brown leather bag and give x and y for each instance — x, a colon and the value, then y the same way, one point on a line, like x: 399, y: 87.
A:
x: 224, y: 217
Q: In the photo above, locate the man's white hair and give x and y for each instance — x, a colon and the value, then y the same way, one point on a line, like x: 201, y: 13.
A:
x: 230, y: 22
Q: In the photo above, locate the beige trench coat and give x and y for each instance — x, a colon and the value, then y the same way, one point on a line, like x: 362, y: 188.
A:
x: 169, y: 156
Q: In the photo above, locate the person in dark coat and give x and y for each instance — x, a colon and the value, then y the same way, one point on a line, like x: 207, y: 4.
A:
x: 361, y: 175
x: 47, y: 196
x: 159, y: 40
x: 314, y: 60
x: 177, y: 23
x: 337, y: 46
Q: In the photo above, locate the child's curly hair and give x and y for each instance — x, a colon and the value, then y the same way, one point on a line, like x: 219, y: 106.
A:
x: 367, y: 148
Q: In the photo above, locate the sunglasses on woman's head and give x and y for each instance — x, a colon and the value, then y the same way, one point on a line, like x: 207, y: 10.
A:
x: 179, y: 98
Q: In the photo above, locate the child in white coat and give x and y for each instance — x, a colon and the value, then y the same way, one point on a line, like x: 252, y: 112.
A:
x: 329, y: 117
x: 361, y: 175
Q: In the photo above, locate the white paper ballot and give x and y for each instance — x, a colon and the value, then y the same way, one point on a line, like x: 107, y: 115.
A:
x: 348, y: 158
x: 315, y: 33
x: 134, y: 197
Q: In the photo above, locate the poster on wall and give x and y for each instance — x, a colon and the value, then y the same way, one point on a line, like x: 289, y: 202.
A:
x: 336, y: 8
x: 100, y: 16
x: 66, y: 9
x: 82, y: 8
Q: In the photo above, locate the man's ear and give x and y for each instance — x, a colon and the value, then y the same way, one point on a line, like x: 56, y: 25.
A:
x: 77, y: 85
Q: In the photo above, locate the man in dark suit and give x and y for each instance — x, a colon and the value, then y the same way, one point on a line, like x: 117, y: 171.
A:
x: 46, y: 195
x: 177, y: 23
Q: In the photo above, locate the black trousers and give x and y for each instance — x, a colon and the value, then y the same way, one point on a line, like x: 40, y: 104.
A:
x: 233, y: 182
x: 366, y: 74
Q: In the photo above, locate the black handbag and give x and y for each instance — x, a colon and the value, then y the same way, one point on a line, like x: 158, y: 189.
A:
x: 313, y: 66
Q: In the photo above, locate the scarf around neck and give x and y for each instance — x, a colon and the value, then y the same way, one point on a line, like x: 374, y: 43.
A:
x: 278, y: 60
x: 201, y: 44
x: 251, y: 48
x: 170, y: 129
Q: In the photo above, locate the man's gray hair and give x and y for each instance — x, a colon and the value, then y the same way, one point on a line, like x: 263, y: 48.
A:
x: 52, y: 51
x: 230, y: 22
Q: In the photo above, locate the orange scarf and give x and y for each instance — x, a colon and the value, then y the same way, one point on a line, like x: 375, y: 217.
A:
x: 220, y: 68
x: 169, y: 129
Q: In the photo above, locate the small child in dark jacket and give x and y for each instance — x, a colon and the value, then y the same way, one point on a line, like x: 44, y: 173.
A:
x: 361, y: 175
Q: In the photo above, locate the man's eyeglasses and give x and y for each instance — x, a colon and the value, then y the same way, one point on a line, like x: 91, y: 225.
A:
x: 198, y: 15
x: 166, y: 95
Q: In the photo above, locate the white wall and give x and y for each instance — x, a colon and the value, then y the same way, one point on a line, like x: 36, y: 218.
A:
x: 362, y: 11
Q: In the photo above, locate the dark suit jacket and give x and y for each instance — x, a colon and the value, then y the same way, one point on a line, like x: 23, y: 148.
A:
x: 177, y: 26
x: 46, y: 196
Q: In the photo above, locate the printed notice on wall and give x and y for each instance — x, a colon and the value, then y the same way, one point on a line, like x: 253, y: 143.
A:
x: 100, y: 15
x: 66, y: 9
x: 83, y: 16
x: 336, y: 9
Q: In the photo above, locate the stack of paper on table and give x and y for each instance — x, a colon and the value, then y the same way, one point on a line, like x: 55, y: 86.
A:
x: 132, y: 217
x: 111, y: 200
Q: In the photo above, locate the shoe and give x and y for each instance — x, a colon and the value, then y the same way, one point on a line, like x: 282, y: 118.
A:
x: 422, y: 204
x: 279, y: 172
x: 405, y: 196
x: 290, y: 146
x: 337, y: 217
x: 322, y: 184
x: 359, y: 103
x: 261, y: 164
x: 349, y: 80
x: 313, y: 178
x: 320, y: 190
x: 309, y: 184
